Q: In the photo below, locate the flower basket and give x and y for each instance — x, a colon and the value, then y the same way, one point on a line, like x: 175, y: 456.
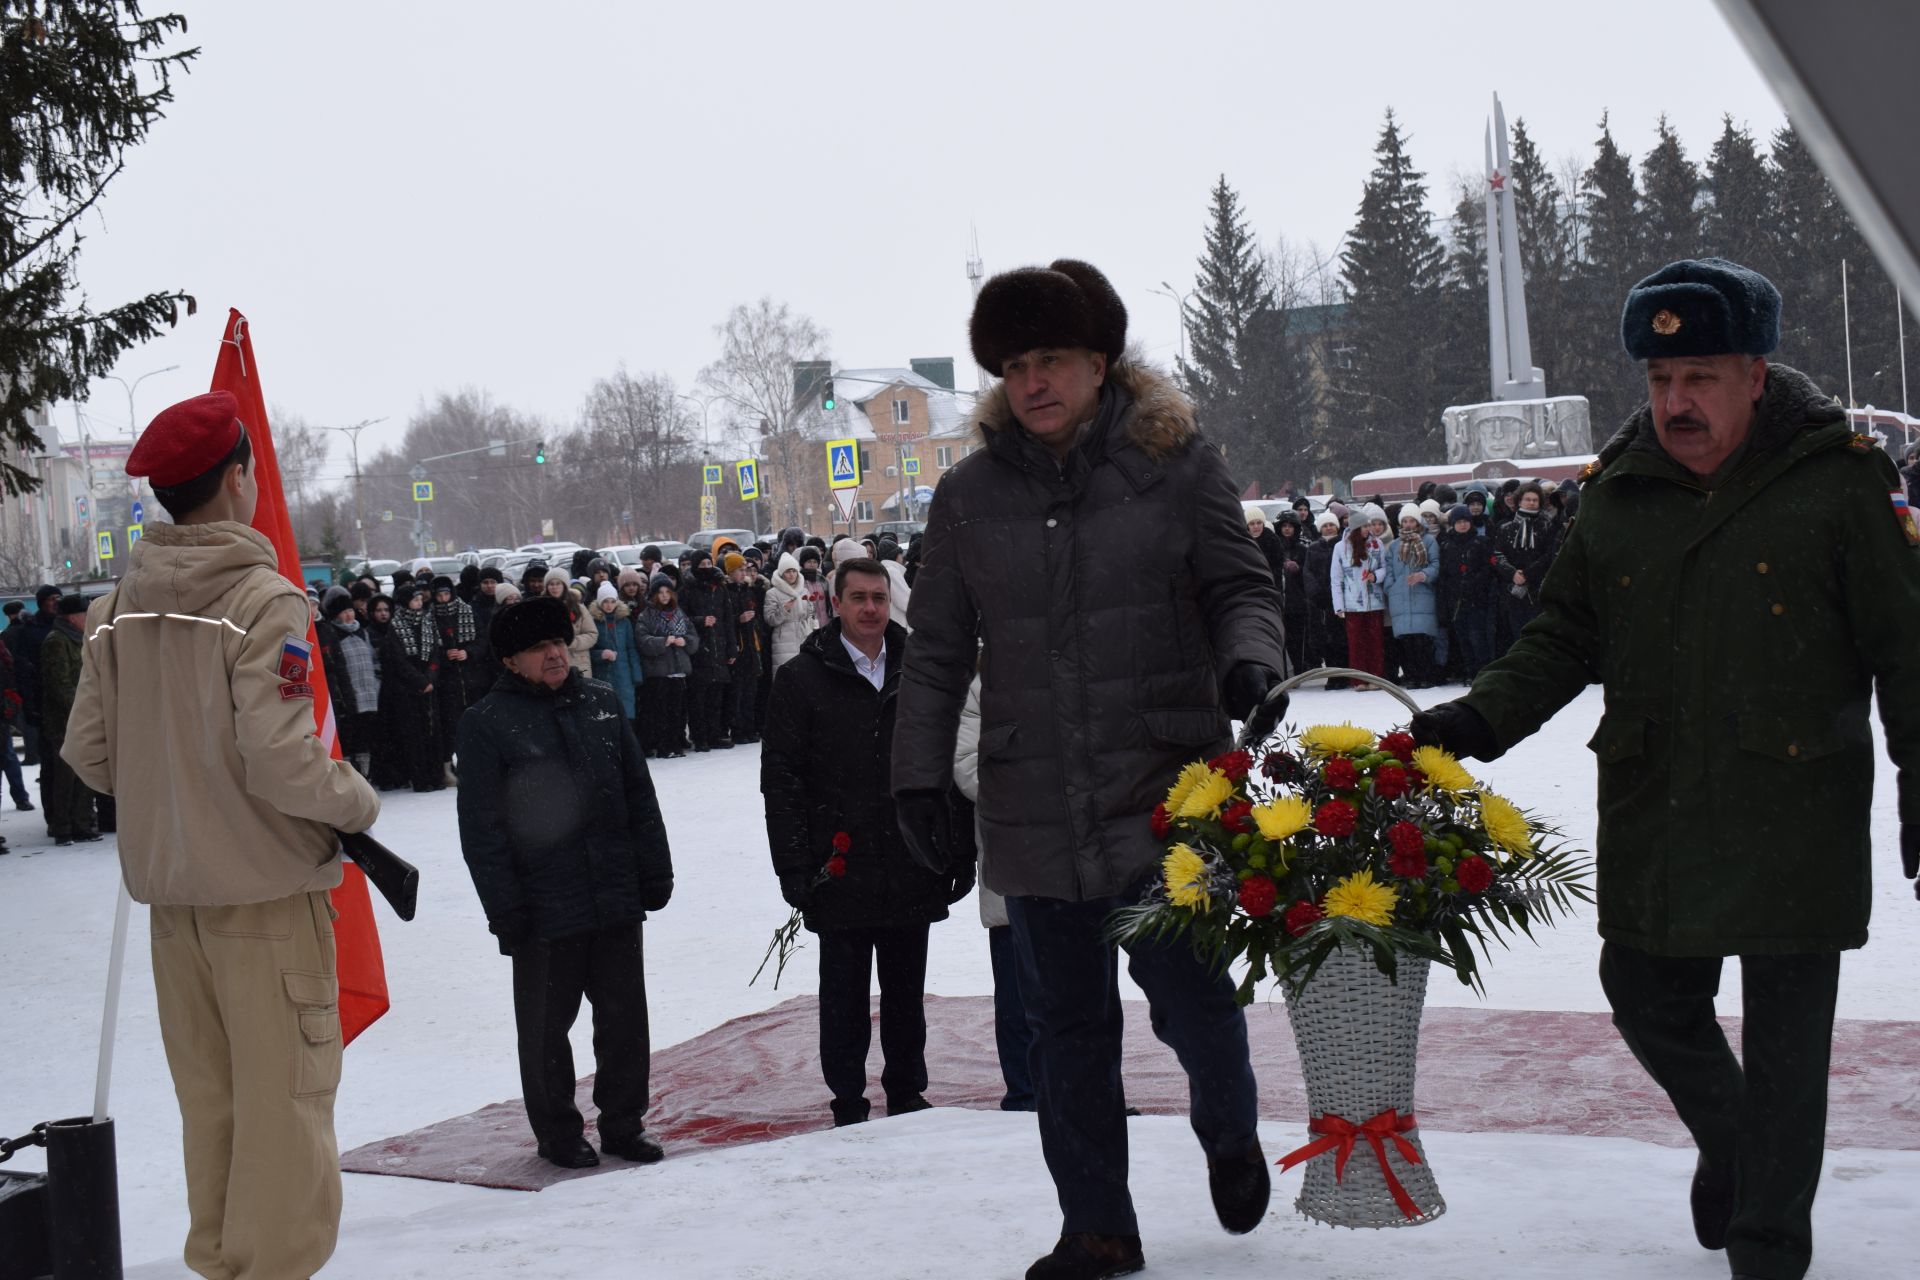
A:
x: 1344, y: 865
x: 1358, y: 1034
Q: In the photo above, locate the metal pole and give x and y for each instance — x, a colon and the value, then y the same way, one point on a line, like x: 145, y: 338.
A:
x: 110, y: 1015
x: 1179, y: 301
x: 1900, y: 319
x: 359, y: 510
x: 1846, y: 329
x: 86, y: 487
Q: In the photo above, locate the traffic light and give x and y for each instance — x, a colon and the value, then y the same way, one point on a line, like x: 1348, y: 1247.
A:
x: 69, y: 562
x: 540, y: 453
x: 826, y: 395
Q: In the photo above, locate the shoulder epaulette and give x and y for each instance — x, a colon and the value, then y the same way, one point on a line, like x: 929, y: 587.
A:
x: 1862, y: 443
x: 1589, y: 471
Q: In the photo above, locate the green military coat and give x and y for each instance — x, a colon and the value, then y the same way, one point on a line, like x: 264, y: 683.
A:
x: 1738, y: 634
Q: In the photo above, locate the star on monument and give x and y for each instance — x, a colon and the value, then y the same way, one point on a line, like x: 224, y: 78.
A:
x: 1498, y: 180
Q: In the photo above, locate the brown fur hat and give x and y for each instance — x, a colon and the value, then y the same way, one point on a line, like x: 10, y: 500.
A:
x: 1066, y: 304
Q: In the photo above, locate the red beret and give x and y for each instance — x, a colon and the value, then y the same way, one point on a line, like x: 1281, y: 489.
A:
x: 187, y: 439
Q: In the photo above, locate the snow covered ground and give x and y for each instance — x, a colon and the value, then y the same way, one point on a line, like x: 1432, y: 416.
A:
x: 940, y: 1194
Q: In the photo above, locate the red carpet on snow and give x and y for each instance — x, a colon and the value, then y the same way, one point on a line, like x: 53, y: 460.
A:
x: 1481, y: 1071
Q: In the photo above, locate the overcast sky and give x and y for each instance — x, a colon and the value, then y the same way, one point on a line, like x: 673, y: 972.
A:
x: 413, y: 197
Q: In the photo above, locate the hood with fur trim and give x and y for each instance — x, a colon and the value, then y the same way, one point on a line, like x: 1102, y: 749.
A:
x: 1160, y: 422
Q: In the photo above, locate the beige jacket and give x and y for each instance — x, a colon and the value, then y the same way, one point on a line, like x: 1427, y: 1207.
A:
x: 190, y: 714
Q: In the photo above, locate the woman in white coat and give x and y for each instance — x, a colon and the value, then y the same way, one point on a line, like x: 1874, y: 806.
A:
x: 792, y: 611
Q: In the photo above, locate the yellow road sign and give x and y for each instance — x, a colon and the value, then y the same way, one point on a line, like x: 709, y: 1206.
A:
x: 843, y: 464
x: 747, y: 472
x: 423, y: 491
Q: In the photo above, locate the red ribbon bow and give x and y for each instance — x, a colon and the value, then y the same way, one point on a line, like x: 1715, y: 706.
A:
x: 1342, y: 1134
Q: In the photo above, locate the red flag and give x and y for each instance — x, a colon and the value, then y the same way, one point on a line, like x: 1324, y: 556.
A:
x: 363, y: 974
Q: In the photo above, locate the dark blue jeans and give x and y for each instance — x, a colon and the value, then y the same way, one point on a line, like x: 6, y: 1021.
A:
x: 1071, y: 987
x: 1011, y: 1034
x: 16, y: 785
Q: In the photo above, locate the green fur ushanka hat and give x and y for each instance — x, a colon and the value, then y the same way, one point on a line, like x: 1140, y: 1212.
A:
x: 1701, y: 307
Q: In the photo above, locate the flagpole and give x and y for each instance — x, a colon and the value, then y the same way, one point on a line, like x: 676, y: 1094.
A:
x: 110, y: 1016
x: 1846, y: 329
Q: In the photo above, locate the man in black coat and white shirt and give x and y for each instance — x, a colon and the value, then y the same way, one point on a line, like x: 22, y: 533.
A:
x: 824, y: 769
x: 562, y: 833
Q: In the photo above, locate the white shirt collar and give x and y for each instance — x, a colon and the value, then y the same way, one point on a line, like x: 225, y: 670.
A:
x: 874, y: 669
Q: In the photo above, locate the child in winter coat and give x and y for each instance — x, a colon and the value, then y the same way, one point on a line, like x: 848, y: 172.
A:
x: 1408, y: 564
x: 1359, y: 597
x: 617, y: 659
x: 792, y: 610
x: 667, y: 640
x: 586, y: 636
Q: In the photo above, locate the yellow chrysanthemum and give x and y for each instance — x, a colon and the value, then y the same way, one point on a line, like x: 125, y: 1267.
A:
x: 1362, y: 898
x: 1444, y: 773
x: 1286, y: 817
x: 1335, y: 740
x: 1186, y: 875
x: 1208, y: 796
x: 1190, y: 777
x: 1505, y: 824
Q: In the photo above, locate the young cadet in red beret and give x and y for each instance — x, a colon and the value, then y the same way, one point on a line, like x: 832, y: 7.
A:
x: 195, y: 711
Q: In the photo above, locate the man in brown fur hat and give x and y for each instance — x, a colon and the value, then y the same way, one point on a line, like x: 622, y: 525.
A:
x: 1096, y: 546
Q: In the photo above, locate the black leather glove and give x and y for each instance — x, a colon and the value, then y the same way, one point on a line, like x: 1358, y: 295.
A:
x: 512, y: 930
x: 1245, y: 693
x: 797, y: 888
x: 655, y: 896
x: 926, y: 827
x: 1910, y: 854
x: 1457, y: 728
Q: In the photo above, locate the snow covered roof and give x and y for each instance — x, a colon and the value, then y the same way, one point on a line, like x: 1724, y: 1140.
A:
x: 946, y: 410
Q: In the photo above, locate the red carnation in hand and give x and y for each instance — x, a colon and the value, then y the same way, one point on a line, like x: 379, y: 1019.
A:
x: 1300, y: 917
x: 1473, y: 873
x: 1341, y: 774
x: 1234, y: 764
x: 1235, y: 818
x: 1161, y: 822
x: 1391, y: 782
x: 1399, y: 744
x: 842, y: 842
x: 1258, y: 896
x: 1335, y: 818
x: 836, y: 866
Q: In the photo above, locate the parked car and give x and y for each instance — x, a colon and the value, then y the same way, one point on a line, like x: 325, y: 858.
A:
x: 903, y: 531
x: 552, y: 551
x: 703, y: 539
x: 381, y: 571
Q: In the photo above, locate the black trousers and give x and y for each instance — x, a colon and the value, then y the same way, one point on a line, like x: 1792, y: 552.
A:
x: 549, y: 978
x: 740, y: 720
x: 848, y: 958
x: 1763, y: 1116
x: 1297, y: 647
x: 1012, y: 1034
x: 706, y: 707
x: 663, y: 708
x: 66, y: 801
x: 1070, y: 981
x: 1329, y: 640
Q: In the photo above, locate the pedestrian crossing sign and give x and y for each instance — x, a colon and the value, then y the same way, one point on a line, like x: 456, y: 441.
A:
x: 135, y: 532
x: 711, y: 475
x: 747, y: 472
x: 911, y: 466
x: 106, y: 544
x: 843, y: 464
x: 423, y: 491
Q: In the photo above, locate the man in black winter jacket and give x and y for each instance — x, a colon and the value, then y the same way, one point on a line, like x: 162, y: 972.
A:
x: 563, y: 837
x: 837, y: 847
x: 707, y: 601
x: 24, y: 639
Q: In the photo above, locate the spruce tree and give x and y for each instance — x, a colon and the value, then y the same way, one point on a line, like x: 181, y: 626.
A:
x: 1544, y: 222
x: 1738, y: 220
x: 1393, y: 268
x: 1230, y: 289
x: 1612, y: 260
x: 81, y: 83
x: 1670, y: 201
x: 1461, y: 371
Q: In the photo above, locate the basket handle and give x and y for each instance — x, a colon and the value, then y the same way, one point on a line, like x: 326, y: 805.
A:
x: 1322, y: 673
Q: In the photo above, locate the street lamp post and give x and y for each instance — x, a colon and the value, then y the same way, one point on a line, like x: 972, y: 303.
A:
x: 353, y: 442
x: 1179, y: 300
x: 706, y: 449
x: 133, y: 420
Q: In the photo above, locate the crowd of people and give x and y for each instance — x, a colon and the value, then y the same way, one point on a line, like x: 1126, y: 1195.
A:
x: 1421, y: 593
x: 689, y: 647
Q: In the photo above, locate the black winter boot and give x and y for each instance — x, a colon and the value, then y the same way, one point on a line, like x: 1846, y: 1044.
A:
x: 640, y: 1148
x: 1084, y: 1256
x: 1712, y: 1201
x: 1241, y: 1188
x: 908, y: 1105
x: 570, y: 1153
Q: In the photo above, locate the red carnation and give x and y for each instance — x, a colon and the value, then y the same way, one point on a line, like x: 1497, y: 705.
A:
x: 1341, y: 774
x: 1281, y: 767
x: 1473, y: 873
x: 1408, y: 866
x: 1335, y: 818
x: 1399, y: 744
x: 1234, y: 764
x: 1390, y: 782
x: 1235, y: 818
x: 1406, y: 838
x: 1300, y: 917
x: 1161, y: 822
x: 836, y: 866
x: 1415, y: 778
x: 842, y: 842
x: 1257, y: 896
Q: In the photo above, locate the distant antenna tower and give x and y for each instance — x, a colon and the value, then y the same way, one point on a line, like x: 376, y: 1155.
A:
x: 976, y: 270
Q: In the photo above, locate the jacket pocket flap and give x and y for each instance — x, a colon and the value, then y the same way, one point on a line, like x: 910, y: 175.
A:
x: 995, y: 739
x: 1787, y: 737
x: 1184, y: 726
x: 315, y: 990
x: 1619, y: 737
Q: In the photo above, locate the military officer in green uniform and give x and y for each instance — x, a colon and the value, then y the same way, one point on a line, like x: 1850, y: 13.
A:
x: 1741, y: 577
